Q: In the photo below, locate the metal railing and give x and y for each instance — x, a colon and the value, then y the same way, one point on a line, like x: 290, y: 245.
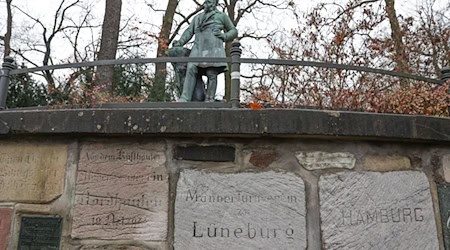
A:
x: 9, y: 69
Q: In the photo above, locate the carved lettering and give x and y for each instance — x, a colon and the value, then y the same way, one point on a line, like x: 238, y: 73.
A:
x: 418, y: 214
x: 393, y: 215
x: 121, y: 193
x: 85, y: 176
x: 195, y: 196
x: 250, y: 231
x: 112, y: 221
x: 122, y: 155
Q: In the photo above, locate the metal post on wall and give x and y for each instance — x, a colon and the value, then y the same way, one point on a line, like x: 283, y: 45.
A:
x: 7, y: 66
x: 236, y: 53
x: 446, y: 77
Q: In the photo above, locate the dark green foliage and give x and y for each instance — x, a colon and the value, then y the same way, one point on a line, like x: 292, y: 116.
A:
x: 24, y: 91
x: 157, y: 91
x: 130, y: 80
x: 134, y: 82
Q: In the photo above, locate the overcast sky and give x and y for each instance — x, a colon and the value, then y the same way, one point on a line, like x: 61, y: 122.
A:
x: 43, y: 10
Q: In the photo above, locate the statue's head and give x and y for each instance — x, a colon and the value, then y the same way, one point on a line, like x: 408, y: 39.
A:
x: 209, y: 5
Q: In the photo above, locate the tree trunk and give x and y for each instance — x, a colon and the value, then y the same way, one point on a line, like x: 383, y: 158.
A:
x: 397, y: 37
x: 8, y: 29
x: 163, y: 45
x: 108, y: 46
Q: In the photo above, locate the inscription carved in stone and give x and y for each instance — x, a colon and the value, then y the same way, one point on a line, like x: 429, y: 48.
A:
x: 240, y: 211
x: 121, y: 192
x: 32, y: 172
x: 377, y: 211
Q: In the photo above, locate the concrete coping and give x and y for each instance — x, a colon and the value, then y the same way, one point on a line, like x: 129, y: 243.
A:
x: 225, y: 122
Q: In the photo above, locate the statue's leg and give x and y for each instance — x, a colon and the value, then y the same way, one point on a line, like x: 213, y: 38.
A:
x: 199, y: 90
x: 189, y: 82
x: 211, y: 73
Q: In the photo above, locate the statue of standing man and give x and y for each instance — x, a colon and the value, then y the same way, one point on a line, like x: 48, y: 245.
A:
x: 211, y: 29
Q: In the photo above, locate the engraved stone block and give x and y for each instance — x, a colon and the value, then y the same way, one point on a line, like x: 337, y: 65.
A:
x: 324, y: 160
x: 377, y: 211
x: 121, y: 192
x: 5, y: 226
x: 32, y: 172
x: 40, y: 233
x: 240, y: 211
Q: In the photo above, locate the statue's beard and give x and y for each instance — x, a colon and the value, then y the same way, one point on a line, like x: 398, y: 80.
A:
x: 208, y: 9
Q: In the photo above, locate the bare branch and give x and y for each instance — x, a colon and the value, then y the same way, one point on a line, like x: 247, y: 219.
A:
x: 185, y: 20
x: 353, y: 7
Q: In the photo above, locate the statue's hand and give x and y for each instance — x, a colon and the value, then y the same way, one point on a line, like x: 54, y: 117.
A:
x: 177, y: 43
x: 219, y: 34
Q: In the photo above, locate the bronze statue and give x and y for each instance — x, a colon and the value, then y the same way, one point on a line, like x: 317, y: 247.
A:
x: 209, y: 42
x: 180, y: 74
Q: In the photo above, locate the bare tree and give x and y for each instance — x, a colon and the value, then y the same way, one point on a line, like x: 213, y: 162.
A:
x: 356, y: 34
x: 7, y: 37
x: 433, y: 26
x: 237, y: 12
x: 163, y: 45
x: 397, y: 37
x: 108, y: 45
x: 48, y: 37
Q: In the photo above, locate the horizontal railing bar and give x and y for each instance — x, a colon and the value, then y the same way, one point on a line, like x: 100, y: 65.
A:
x: 227, y: 60
x: 339, y: 66
x: 122, y: 61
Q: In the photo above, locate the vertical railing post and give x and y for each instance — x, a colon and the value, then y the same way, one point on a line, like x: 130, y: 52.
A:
x: 7, y: 66
x: 445, y: 72
x: 236, y: 53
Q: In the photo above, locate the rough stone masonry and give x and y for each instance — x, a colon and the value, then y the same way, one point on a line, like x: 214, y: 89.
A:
x: 160, y: 179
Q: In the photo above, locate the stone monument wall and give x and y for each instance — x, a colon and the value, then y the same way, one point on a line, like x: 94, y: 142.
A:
x: 223, y: 191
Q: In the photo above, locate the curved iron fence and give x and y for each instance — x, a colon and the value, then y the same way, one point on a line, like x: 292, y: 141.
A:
x: 9, y: 69
x: 228, y: 60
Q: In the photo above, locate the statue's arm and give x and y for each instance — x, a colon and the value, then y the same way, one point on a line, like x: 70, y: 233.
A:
x: 187, y: 34
x: 231, y: 31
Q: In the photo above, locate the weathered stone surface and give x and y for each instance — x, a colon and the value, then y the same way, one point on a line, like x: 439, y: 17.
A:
x: 31, y: 172
x: 323, y: 160
x: 160, y: 119
x: 446, y: 167
x: 5, y: 226
x: 444, y: 207
x: 121, y: 192
x: 377, y: 211
x: 262, y: 159
x: 386, y: 163
x: 239, y: 211
x: 112, y: 247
